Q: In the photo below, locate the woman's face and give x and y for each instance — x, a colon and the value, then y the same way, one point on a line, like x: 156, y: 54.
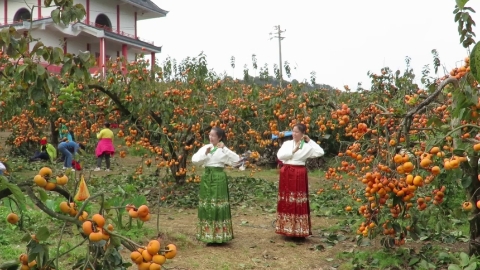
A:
x: 297, y: 134
x: 213, y: 137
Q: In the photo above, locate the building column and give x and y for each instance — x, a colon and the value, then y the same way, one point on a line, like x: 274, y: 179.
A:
x: 101, y: 60
x: 39, y: 9
x: 153, y: 58
x: 135, y: 19
x: 152, y: 64
x: 5, y: 13
x: 118, y: 19
x: 124, y: 52
x: 87, y: 7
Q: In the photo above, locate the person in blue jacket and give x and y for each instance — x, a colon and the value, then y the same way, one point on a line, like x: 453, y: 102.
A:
x: 69, y: 149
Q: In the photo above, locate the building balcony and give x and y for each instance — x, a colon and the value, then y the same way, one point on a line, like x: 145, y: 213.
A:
x: 89, y: 23
x: 116, y: 31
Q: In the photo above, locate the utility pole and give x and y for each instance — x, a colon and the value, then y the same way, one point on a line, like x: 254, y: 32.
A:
x: 278, y: 35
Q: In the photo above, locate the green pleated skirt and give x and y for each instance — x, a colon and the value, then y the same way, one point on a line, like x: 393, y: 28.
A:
x: 214, y: 216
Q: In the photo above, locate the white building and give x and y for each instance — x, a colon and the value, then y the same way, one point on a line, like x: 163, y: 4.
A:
x: 108, y: 30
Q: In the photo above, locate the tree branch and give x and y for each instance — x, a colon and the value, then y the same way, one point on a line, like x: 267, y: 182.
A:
x: 112, y: 96
x: 433, y: 96
x: 47, y: 210
x: 407, y: 120
x: 6, y: 192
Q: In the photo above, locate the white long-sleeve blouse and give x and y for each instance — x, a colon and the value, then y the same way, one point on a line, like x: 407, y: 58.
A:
x: 309, y: 150
x: 219, y: 158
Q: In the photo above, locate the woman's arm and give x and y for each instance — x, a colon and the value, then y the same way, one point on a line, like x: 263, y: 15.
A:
x: 232, y: 157
x: 100, y: 134
x: 315, y: 150
x: 200, y: 156
x: 285, y: 152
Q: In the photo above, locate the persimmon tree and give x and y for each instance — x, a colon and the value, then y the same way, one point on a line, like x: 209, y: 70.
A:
x: 26, y: 83
x: 414, y: 148
x: 169, y: 110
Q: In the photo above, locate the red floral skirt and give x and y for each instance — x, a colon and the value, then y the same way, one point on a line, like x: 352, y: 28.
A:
x: 293, y: 207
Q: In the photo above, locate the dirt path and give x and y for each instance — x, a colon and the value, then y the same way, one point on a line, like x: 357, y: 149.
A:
x: 256, y: 246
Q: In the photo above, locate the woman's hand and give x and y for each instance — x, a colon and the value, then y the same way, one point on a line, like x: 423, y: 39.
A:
x: 220, y: 145
x: 306, y: 138
x: 297, y: 146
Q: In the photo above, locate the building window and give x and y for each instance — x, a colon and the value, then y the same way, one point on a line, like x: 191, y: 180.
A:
x: 103, y: 21
x: 22, y: 14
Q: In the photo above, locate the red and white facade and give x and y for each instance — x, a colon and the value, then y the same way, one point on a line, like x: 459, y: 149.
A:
x: 109, y: 29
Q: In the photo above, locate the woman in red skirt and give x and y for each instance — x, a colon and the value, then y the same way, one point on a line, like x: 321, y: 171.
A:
x: 293, y: 208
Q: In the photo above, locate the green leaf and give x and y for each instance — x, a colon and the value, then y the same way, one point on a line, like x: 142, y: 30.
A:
x: 79, y: 12
x: 26, y: 237
x: 464, y: 259
x: 43, y: 195
x: 40, y: 70
x: 55, y: 15
x: 425, y: 237
x: 115, y: 241
x: 66, y: 67
x: 413, y: 261
x: 51, y: 204
x: 36, y: 94
x: 434, y: 121
x: 459, y: 152
x: 58, y: 54
x: 363, y: 242
x: 42, y: 233
x: 65, y: 16
x: 10, y: 265
x: 414, y: 236
x: 51, y: 84
x: 454, y: 267
x: 21, y: 68
x: 40, y: 256
x: 79, y: 73
x: 457, y: 16
x: 471, y: 266
x: 475, y: 62
x: 84, y: 56
x: 466, y: 182
x: 17, y: 193
x: 47, y: 3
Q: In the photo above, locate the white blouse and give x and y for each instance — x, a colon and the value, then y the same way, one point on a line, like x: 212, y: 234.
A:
x: 219, y: 158
x: 309, y: 150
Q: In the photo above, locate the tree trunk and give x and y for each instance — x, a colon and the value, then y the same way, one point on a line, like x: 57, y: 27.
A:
x: 54, y: 133
x: 179, y: 179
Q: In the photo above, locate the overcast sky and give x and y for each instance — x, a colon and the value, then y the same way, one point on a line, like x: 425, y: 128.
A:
x: 340, y: 40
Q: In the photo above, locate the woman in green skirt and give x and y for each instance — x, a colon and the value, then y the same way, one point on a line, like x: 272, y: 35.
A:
x: 214, y: 216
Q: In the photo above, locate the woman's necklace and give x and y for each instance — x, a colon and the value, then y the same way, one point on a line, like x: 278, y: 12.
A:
x: 213, y: 150
x: 300, y: 146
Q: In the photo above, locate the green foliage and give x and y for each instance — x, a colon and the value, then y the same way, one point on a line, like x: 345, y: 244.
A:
x: 465, y: 23
x: 475, y: 62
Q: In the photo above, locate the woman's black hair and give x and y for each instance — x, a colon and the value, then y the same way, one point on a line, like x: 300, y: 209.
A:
x: 82, y: 146
x: 301, y: 127
x: 107, y: 125
x: 73, y: 135
x: 220, y: 133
